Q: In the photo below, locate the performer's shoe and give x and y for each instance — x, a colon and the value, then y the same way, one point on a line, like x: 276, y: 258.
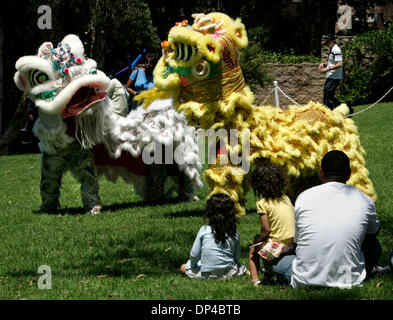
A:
x: 95, y: 210
x: 256, y: 283
x: 378, y: 269
x: 188, y: 198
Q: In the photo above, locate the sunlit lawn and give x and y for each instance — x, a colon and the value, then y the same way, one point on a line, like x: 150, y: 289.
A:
x: 134, y: 251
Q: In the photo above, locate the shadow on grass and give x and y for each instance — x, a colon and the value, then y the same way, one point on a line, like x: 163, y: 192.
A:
x: 22, y: 273
x: 115, y: 207
x: 154, y: 251
x: 186, y: 213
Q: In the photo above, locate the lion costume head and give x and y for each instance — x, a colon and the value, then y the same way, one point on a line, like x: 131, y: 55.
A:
x: 61, y: 80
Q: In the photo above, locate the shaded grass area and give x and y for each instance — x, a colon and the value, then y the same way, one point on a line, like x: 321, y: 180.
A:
x: 134, y: 251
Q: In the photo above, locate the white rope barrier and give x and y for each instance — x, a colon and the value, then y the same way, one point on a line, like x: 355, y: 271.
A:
x: 369, y: 107
x: 288, y: 97
x: 268, y: 96
x: 275, y: 83
x: 277, y: 89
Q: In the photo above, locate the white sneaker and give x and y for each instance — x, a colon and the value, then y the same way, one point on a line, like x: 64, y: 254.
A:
x: 256, y: 283
x: 195, y: 198
x: 379, y: 269
x: 95, y: 211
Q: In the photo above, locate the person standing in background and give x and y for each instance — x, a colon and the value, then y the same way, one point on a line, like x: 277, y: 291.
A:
x: 334, y: 73
x: 141, y: 79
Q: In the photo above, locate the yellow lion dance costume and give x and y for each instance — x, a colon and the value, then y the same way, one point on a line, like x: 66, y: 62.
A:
x: 200, y: 71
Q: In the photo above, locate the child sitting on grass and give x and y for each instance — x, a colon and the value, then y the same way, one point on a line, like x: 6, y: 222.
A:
x: 216, y: 250
x: 276, y: 218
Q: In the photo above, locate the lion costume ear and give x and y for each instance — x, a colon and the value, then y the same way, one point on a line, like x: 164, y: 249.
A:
x: 44, y: 50
x: 235, y: 29
x: 20, y: 81
x: 76, y: 46
x: 238, y: 33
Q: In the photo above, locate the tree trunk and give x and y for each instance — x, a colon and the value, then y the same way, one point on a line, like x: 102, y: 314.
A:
x: 100, y: 52
x: 9, y: 140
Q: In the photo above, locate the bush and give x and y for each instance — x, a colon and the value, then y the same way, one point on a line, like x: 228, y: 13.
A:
x: 254, y: 71
x: 288, y: 58
x: 254, y: 57
x: 368, y: 67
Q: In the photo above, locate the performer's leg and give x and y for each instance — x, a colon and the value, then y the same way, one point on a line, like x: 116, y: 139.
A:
x: 83, y: 169
x: 335, y: 85
x: 53, y: 167
x: 155, y: 182
x: 186, y: 187
x: 328, y: 93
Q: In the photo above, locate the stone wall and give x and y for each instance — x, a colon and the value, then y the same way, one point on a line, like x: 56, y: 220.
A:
x: 302, y: 82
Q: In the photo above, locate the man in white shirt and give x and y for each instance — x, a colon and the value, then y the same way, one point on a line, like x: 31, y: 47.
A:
x: 334, y: 72
x: 335, y: 230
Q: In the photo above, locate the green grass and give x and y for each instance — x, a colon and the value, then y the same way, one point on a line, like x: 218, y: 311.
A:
x: 132, y: 251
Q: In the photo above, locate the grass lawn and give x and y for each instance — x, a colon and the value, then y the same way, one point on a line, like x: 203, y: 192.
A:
x: 133, y: 251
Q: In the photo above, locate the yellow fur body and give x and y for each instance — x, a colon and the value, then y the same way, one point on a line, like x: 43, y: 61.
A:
x: 296, y: 138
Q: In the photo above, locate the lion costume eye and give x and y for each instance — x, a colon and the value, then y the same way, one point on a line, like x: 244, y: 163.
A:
x: 37, y: 77
x: 201, y: 70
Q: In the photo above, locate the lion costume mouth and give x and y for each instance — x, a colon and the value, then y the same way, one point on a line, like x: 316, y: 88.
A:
x: 81, y: 100
x: 185, y: 51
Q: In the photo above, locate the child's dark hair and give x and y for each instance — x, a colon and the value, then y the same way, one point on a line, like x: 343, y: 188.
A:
x: 151, y: 56
x: 220, y: 210
x: 268, y: 180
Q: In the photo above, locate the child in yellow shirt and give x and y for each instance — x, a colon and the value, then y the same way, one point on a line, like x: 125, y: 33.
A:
x: 276, y: 217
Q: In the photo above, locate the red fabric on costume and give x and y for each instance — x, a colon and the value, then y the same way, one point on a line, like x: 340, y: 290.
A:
x: 135, y: 165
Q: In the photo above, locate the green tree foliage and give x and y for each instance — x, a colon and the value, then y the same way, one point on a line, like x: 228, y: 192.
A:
x: 254, y: 71
x: 110, y: 30
x: 368, y: 67
x: 281, y: 25
x: 118, y: 28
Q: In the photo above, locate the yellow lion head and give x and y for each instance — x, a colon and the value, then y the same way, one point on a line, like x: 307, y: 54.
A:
x: 200, y: 62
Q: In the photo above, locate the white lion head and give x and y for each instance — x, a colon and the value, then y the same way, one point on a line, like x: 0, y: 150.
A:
x: 61, y: 80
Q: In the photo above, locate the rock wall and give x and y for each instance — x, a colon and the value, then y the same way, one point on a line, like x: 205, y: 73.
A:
x: 302, y: 82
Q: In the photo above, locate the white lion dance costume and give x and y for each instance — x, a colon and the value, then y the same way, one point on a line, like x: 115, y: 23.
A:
x: 200, y: 72
x: 80, y: 128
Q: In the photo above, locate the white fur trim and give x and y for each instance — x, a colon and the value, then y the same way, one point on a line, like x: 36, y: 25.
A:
x: 27, y: 63
x: 76, y: 45
x: 99, y: 80
x: 51, y: 130
x: 19, y: 83
x: 142, y: 128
